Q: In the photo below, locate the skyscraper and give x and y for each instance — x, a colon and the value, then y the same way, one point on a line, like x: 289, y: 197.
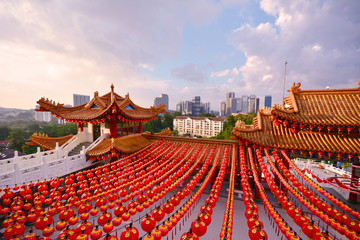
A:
x: 196, y: 107
x: 267, y: 101
x: 179, y: 107
x: 229, y: 97
x: 80, y: 99
x: 164, y: 98
x: 205, y: 107
x: 222, y: 109
x: 187, y: 107
x: 245, y: 104
x: 254, y: 103
x: 239, y: 105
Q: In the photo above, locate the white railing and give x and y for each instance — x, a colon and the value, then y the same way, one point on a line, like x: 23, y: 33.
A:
x: 43, y: 170
x: 97, y: 141
x: 42, y: 165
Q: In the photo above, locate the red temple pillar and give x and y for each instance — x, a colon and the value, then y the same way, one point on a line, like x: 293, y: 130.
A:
x: 140, y: 127
x: 354, y: 183
x: 113, y: 131
x: 80, y: 127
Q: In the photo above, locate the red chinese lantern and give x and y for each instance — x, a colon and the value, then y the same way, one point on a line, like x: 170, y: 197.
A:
x: 96, y: 233
x: 30, y: 236
x: 108, y: 227
x: 198, y: 227
x: 148, y: 223
x: 158, y: 214
x: 48, y: 231
x: 129, y: 233
x: 256, y: 233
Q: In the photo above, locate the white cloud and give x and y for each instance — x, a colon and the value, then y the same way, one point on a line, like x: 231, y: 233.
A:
x: 319, y: 39
x: 223, y: 73
x: 227, y: 72
x: 56, y: 48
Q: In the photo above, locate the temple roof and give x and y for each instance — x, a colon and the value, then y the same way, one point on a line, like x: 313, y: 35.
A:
x: 266, y: 133
x: 101, y: 106
x: 126, y: 144
x: 48, y: 142
x: 340, y: 107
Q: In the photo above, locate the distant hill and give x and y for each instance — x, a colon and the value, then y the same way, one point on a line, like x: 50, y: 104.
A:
x: 11, y: 114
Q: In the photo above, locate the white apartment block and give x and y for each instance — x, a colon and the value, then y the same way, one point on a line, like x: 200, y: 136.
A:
x: 198, y: 126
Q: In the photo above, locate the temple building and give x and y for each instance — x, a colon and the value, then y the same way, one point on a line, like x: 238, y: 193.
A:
x: 110, y: 115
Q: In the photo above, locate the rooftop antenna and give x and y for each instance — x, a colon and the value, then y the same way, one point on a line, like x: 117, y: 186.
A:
x: 284, y: 84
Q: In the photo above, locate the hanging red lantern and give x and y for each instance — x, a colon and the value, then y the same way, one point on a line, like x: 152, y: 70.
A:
x: 108, y: 227
x: 96, y: 233
x: 61, y: 225
x: 189, y: 236
x: 198, y: 227
x: 30, y: 236
x: 256, y: 233
x: 156, y: 234
x: 148, y: 223
x: 158, y: 214
x: 129, y: 233
x: 48, y: 231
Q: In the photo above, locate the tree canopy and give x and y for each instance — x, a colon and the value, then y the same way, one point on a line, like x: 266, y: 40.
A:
x: 230, y: 124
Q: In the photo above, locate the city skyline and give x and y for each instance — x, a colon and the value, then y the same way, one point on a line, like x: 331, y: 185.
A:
x: 183, y: 49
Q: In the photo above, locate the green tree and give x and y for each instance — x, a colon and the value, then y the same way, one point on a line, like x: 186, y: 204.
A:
x: 168, y: 121
x: 230, y: 124
x: 17, y: 138
x: 4, y: 132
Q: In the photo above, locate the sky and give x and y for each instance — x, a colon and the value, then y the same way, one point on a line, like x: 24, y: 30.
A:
x: 183, y: 48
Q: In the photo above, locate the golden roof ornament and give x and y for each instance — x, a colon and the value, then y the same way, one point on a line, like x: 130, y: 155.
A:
x: 295, y: 88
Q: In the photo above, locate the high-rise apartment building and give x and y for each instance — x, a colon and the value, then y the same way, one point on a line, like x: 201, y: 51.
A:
x: 80, y: 99
x: 164, y: 98
x: 267, y: 101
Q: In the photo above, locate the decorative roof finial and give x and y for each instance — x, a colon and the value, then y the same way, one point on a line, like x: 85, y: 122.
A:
x: 295, y: 88
x: 359, y: 82
x: 112, y: 93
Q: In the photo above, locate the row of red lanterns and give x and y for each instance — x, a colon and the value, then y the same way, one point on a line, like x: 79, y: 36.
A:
x: 227, y: 226
x: 280, y: 222
x: 335, y: 201
x: 298, y: 217
x: 302, y: 152
x: 148, y: 224
x: 326, y: 217
x: 256, y: 230
x: 295, y: 127
x: 199, y: 225
x: 105, y: 117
